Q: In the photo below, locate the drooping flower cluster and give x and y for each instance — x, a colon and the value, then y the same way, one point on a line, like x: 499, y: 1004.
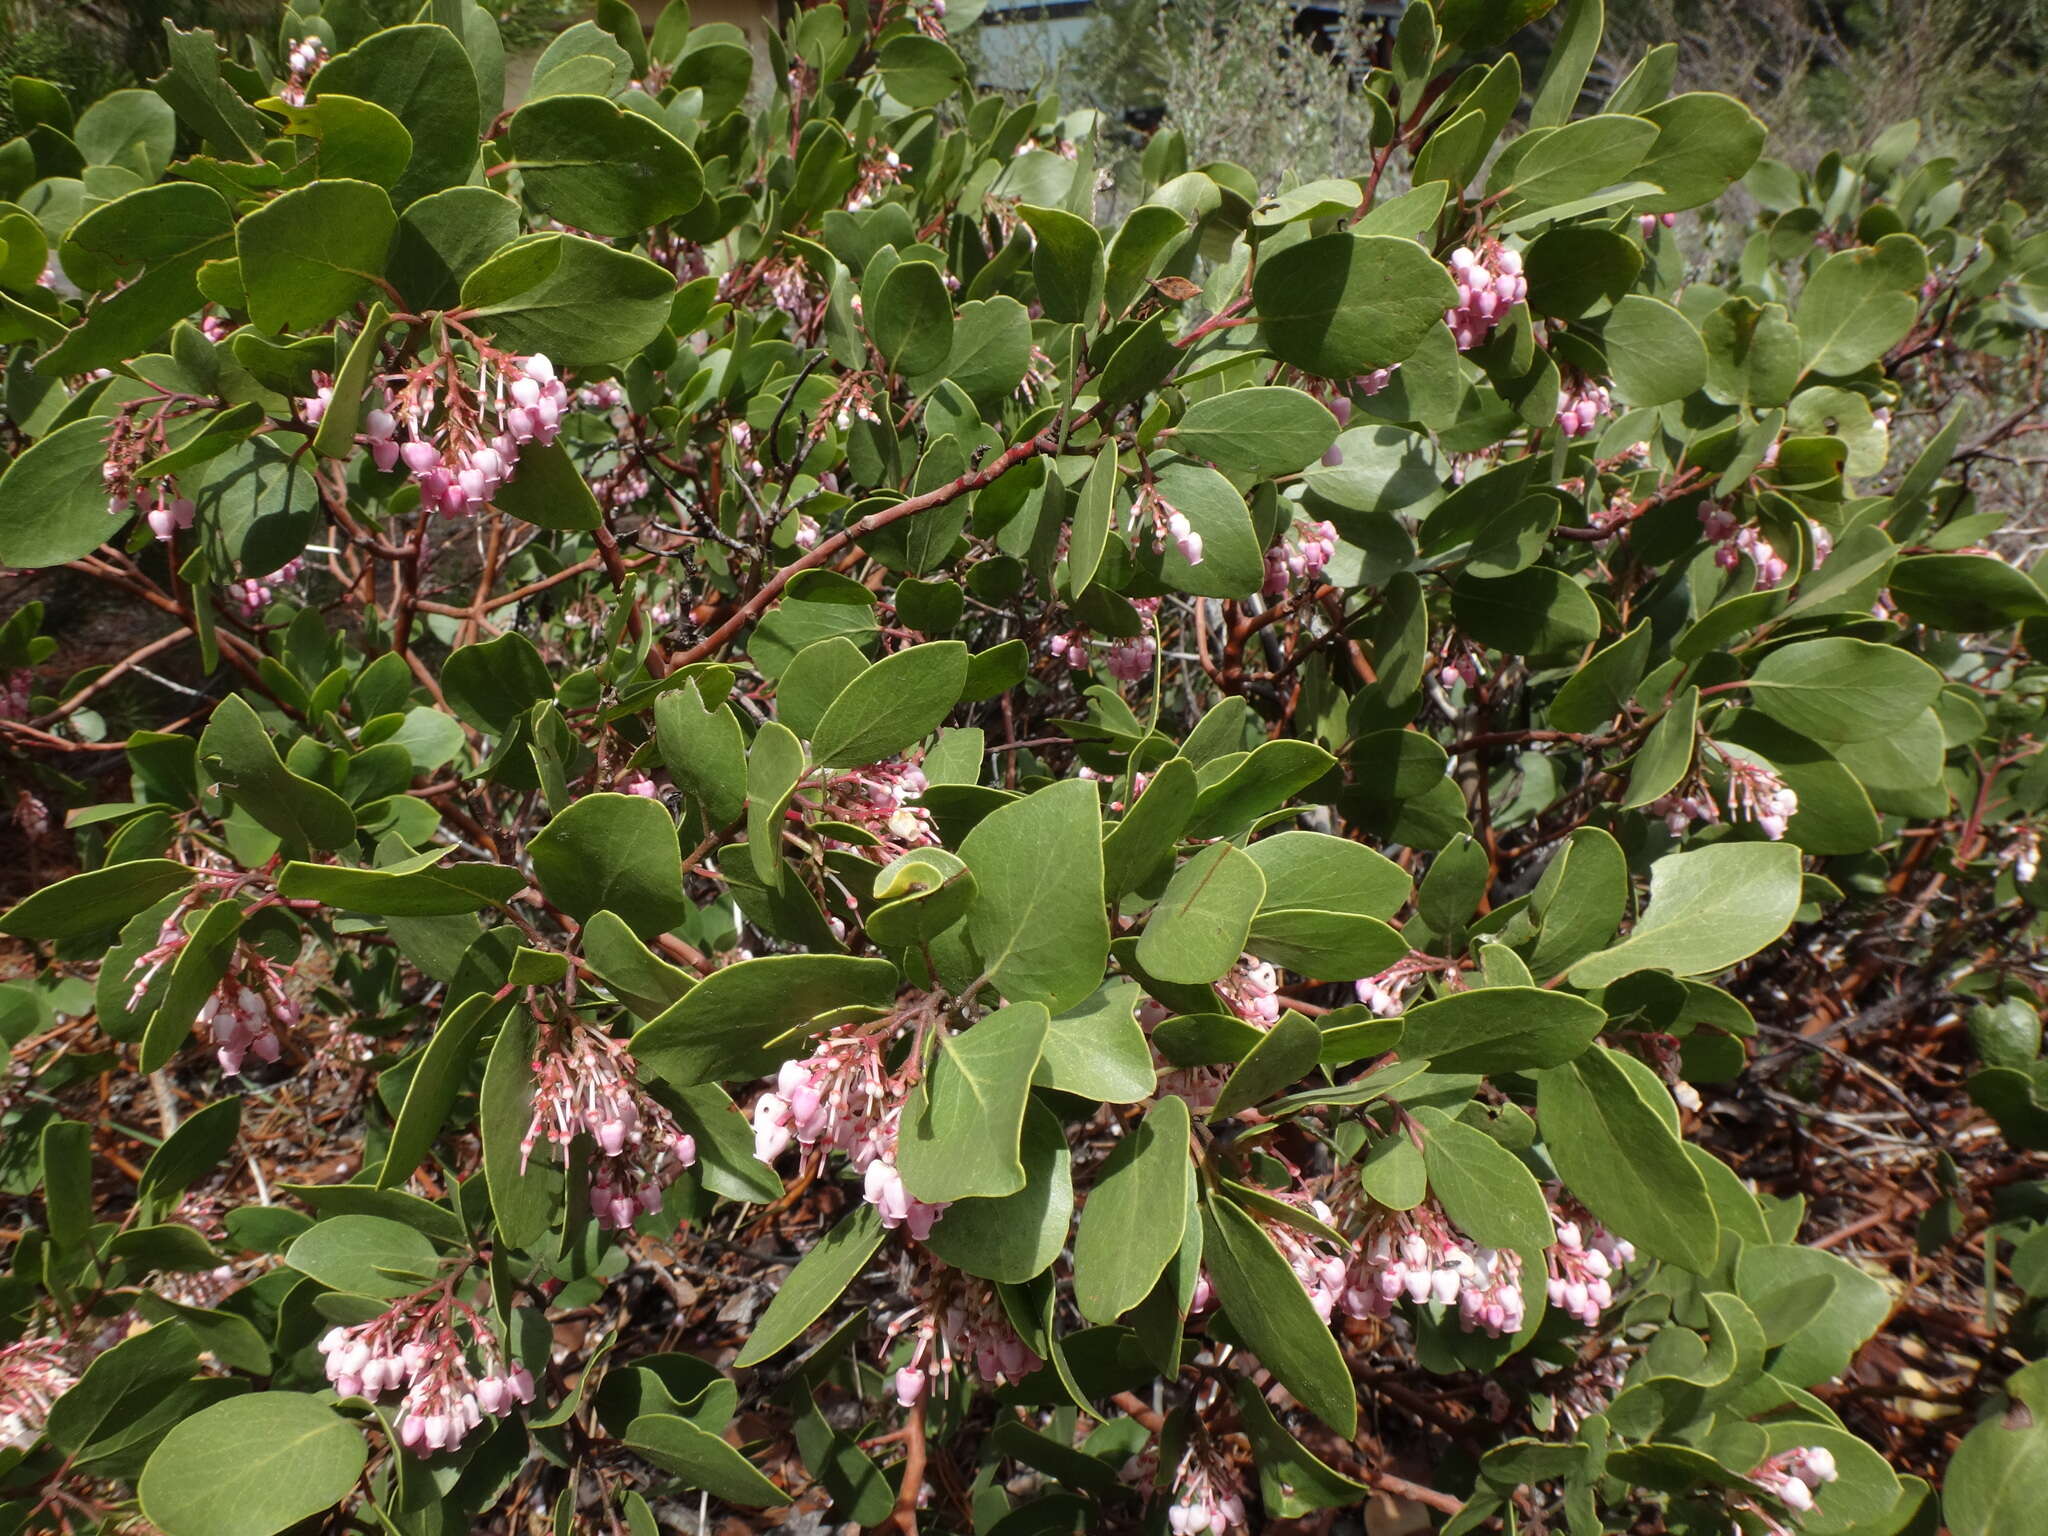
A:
x: 877, y: 174
x: 1489, y: 282
x: 1650, y: 223
x: 1311, y: 547
x: 1208, y: 1498
x: 1736, y: 540
x: 303, y: 61
x: 255, y: 593
x: 881, y: 800
x: 33, y: 1375
x: 1756, y: 792
x: 1251, y: 990
x: 245, y: 1010
x: 15, y: 694
x: 584, y: 1081
x: 1795, y: 1476
x: 841, y: 1098
x: 1370, y: 384
x: 1580, y: 1263
x: 460, y: 463
x: 415, y: 1346
x: 1382, y: 993
x: 1154, y: 516
x: 1579, y: 407
x: 1316, y: 1262
x: 2023, y: 853
x: 1421, y: 1255
x: 959, y: 1320
x: 1128, y: 659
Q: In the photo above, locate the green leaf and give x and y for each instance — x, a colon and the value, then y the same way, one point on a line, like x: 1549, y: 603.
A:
x: 96, y: 902
x: 1233, y: 561
x: 1706, y: 142
x: 1485, y: 1188
x: 1965, y: 592
x: 205, y: 102
x: 1708, y: 909
x: 576, y: 300
x: 354, y: 139
x: 911, y: 319
x: 1265, y: 430
x: 120, y: 1384
x: 436, y: 1081
x: 894, y: 704
x: 964, y: 1119
x: 133, y: 129
x: 419, y: 886
x: 1270, y: 1311
x: 1859, y: 304
x: 1667, y: 752
x: 66, y: 1149
x: 617, y: 853
x: 1576, y: 161
x: 237, y: 753
x: 549, y: 491
x: 702, y: 747
x: 1136, y: 1215
x: 56, y: 497
x: 1292, y: 1479
x: 1039, y: 923
x: 1564, y: 72
x: 422, y: 76
x: 1096, y: 1049
x: 1618, y: 1156
x: 701, y: 1460
x: 1655, y: 352
x: 644, y: 981
x: 587, y: 163
x: 1499, y: 1029
x: 189, y: 1153
x: 522, y: 1194
x: 1579, y: 902
x: 991, y: 349
x: 775, y: 765
x: 491, y: 685
x: 1015, y: 1238
x: 1535, y: 612
x: 1067, y: 262
x: 1284, y: 1054
x: 1822, y: 1341
x: 1599, y: 690
x: 1198, y: 930
x: 1577, y: 272
x: 1342, y: 304
x: 919, y: 71
x: 819, y: 1279
x: 311, y: 253
x: 1843, y: 690
x: 251, y: 1466
x: 443, y: 238
x: 1093, y: 511
x: 364, y: 1256
x: 743, y: 1019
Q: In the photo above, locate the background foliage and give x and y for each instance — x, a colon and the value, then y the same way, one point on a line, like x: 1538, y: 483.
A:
x: 754, y: 782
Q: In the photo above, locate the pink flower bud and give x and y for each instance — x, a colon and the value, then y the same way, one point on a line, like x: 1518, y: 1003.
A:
x: 910, y: 1385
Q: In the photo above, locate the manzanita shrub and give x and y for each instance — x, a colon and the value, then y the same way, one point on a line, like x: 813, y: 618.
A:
x: 1144, y: 827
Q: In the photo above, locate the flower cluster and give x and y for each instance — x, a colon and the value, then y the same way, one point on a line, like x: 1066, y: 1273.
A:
x: 1251, y: 990
x: 1128, y: 660
x: 1736, y: 540
x: 880, y: 799
x: 1795, y: 1476
x: 1313, y: 546
x: 414, y: 1346
x: 14, y: 695
x: 1488, y: 283
x: 460, y: 466
x: 1419, y: 1254
x: 1315, y: 1261
x: 1370, y: 384
x: 253, y: 594
x: 841, y: 1098
x: 1207, y: 1497
x: 584, y: 1081
x: 2023, y: 853
x: 246, y: 1008
x: 1383, y: 993
x: 961, y: 1320
x: 1580, y: 1262
x: 1756, y: 792
x: 33, y: 1375
x: 877, y: 175
x: 1650, y: 223
x: 1164, y: 520
x: 303, y: 61
x: 1578, y: 408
